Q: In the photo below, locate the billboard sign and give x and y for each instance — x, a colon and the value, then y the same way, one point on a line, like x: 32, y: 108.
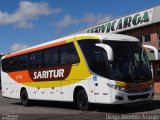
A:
x: 124, y: 23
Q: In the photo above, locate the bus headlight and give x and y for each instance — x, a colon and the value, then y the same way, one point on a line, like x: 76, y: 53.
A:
x: 116, y: 87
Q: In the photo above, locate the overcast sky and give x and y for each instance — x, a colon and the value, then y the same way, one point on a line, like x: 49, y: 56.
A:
x: 25, y: 23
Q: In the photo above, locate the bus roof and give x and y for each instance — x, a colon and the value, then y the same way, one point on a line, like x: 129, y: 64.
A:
x: 101, y: 36
x: 110, y: 36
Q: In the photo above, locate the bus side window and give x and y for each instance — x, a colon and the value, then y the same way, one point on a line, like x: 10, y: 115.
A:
x: 72, y: 55
x: 36, y: 59
x: 5, y: 65
x: 68, y: 54
x: 51, y: 57
x: 23, y: 61
x: 9, y: 64
x: 101, y: 66
x: 95, y: 56
x: 63, y: 58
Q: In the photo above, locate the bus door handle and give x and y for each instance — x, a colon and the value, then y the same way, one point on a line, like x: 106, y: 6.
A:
x: 96, y: 84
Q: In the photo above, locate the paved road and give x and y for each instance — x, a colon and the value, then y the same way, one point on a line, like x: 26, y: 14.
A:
x: 11, y: 109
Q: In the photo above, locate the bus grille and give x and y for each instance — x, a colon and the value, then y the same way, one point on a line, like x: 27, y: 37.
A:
x: 134, y: 97
x: 137, y: 90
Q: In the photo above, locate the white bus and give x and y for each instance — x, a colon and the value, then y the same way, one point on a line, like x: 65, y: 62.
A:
x: 81, y: 68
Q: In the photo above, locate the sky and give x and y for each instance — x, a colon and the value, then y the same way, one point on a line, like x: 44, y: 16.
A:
x: 25, y: 23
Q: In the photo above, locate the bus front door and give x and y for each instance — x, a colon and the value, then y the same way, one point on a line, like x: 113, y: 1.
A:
x: 101, y: 90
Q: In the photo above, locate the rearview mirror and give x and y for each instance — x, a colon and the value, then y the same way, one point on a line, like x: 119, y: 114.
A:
x: 154, y: 49
x: 108, y: 49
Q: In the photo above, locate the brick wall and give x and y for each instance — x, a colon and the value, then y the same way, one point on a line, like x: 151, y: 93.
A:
x: 150, y: 29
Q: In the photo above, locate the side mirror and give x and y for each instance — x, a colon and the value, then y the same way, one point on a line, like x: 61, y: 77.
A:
x: 154, y: 49
x: 108, y: 49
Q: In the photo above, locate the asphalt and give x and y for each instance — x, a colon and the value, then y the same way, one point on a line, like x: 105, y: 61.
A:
x: 11, y: 109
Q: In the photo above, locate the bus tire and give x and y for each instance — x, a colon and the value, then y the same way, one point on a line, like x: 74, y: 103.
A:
x: 82, y: 100
x: 24, y: 98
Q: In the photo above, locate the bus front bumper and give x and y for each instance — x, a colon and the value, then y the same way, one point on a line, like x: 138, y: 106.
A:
x: 119, y: 97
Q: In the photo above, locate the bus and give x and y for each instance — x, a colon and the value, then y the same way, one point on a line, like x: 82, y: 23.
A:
x: 82, y: 68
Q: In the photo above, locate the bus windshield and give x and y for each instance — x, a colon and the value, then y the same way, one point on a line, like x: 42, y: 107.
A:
x: 130, y: 62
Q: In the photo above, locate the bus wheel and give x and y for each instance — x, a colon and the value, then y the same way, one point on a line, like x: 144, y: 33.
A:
x: 24, y: 98
x: 82, y: 100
